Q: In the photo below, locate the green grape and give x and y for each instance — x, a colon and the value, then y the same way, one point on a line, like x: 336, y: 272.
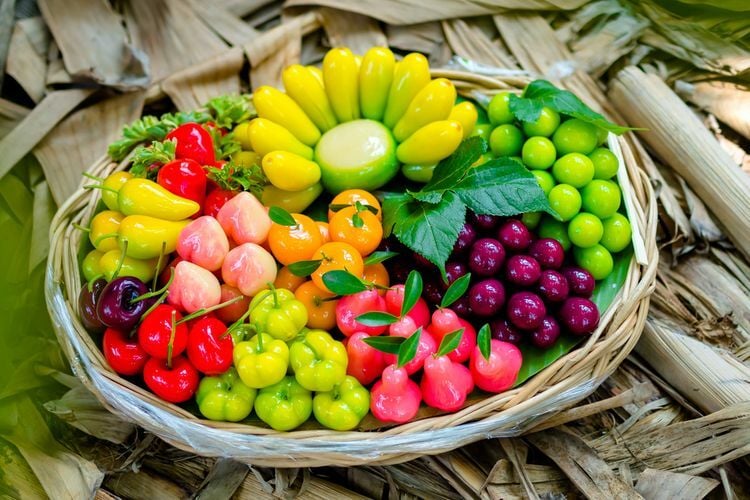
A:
x: 499, y: 109
x: 531, y: 219
x: 538, y: 153
x: 549, y: 227
x: 617, y: 233
x: 575, y: 169
x: 605, y: 163
x: 575, y: 136
x: 543, y: 126
x: 601, y: 135
x: 597, y: 260
x: 565, y: 200
x: 482, y: 130
x: 601, y: 198
x: 585, y: 230
x: 545, y: 180
x: 506, y: 140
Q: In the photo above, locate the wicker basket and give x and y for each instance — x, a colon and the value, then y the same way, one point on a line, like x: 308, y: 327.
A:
x: 559, y: 386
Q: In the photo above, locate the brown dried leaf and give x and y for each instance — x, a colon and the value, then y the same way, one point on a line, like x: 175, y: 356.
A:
x: 27, y: 62
x: 192, y: 87
x: 228, y: 26
x: 467, y: 39
x: 659, y: 484
x: 346, y: 29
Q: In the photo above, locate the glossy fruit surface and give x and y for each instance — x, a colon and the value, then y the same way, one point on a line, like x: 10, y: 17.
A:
x: 605, y: 163
x: 596, y: 259
x: 175, y: 384
x: 617, y: 233
x: 360, y: 228
x: 545, y: 125
x: 498, y: 110
x: 575, y: 136
x: 506, y: 140
x: 522, y: 270
x: 580, y: 281
x: 155, y: 333
x: 87, y: 301
x: 116, y: 308
x: 585, y: 230
x: 546, y: 334
x: 514, y: 235
x: 208, y: 348
x: 505, y: 331
x: 565, y: 200
x: 538, y: 153
x: 466, y: 236
x: 321, y: 311
x: 486, y: 257
x: 526, y: 310
x: 291, y: 244
x: 351, y: 197
x: 557, y: 230
x: 545, y: 180
x: 575, y: 169
x: 336, y: 256
x: 548, y: 252
x: 553, y: 286
x: 487, y: 297
x: 601, y: 198
x: 579, y: 316
x: 124, y: 355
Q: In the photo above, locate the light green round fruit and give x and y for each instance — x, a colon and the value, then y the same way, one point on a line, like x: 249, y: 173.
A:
x: 585, y: 230
x: 617, y: 233
x: 482, y: 130
x: 565, y: 200
x: 499, y: 109
x: 575, y: 136
x: 601, y: 198
x: 597, y: 260
x: 550, y: 227
x: 506, y: 140
x: 538, y: 153
x: 575, y: 169
x: 359, y: 154
x: 545, y: 180
x: 531, y: 219
x: 605, y: 163
x: 544, y: 126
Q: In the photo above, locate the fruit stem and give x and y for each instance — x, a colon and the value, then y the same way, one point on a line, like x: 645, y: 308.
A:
x: 90, y: 283
x: 275, y: 295
x: 156, y: 304
x: 81, y: 228
x: 260, y: 342
x: 204, y: 311
x: 122, y: 259
x: 93, y: 177
x: 158, y: 264
x: 105, y: 237
x: 103, y: 188
x: 170, y: 345
x: 160, y: 291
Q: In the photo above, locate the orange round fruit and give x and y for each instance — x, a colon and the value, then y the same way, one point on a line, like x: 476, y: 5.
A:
x: 294, y: 243
x: 336, y: 256
x: 352, y: 196
x: 285, y: 279
x: 377, y: 274
x: 321, y: 313
x: 324, y: 232
x: 361, y: 229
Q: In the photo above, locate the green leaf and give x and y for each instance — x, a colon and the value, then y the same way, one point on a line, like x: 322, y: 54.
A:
x: 233, y: 177
x: 229, y: 110
x: 483, y: 341
x: 357, y: 220
x: 155, y: 155
x: 412, y: 292
x: 449, y: 171
x: 281, y: 216
x: 335, y: 207
x: 343, y: 283
x: 432, y: 230
x: 388, y: 345
x: 540, y: 93
x: 456, y: 290
x: 502, y: 187
x: 450, y: 342
x: 378, y: 257
x: 396, y: 207
x: 376, y: 318
x: 408, y: 349
x: 304, y: 268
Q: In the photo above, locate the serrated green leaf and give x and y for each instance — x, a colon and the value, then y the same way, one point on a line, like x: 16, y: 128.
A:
x: 304, y: 268
x: 408, y: 349
x: 396, y: 207
x: 456, y: 290
x: 450, y: 342
x: 281, y: 216
x: 388, y: 345
x: 343, y: 283
x: 449, y: 171
x: 483, y: 341
x: 412, y: 292
x: 376, y: 318
x: 378, y: 257
x: 540, y: 93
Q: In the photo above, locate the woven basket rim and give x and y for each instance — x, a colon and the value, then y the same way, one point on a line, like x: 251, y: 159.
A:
x: 568, y: 380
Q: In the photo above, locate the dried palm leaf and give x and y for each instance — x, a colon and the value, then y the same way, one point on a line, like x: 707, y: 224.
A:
x: 27, y: 62
x: 346, y: 29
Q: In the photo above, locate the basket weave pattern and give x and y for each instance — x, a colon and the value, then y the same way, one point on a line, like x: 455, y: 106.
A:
x: 561, y: 385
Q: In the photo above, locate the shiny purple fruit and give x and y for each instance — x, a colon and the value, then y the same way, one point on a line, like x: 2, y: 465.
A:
x: 453, y: 271
x: 522, y: 270
x: 552, y: 286
x: 546, y: 334
x: 486, y: 298
x: 580, y: 316
x: 116, y: 308
x: 87, y: 301
x: 433, y: 290
x: 514, y: 235
x: 466, y: 236
x: 502, y: 330
x: 526, y: 310
x: 580, y: 281
x: 548, y: 252
x: 484, y: 222
x: 462, y: 307
x: 486, y: 257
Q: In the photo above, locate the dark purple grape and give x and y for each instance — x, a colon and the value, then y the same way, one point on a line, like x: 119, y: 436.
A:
x: 87, y: 301
x: 486, y: 257
x: 514, y: 235
x: 398, y: 269
x: 422, y: 262
x: 484, y: 222
x: 580, y: 281
x: 453, y: 271
x: 580, y: 316
x: 487, y: 297
x: 502, y: 330
x: 116, y: 308
x: 552, y: 286
x: 526, y: 310
x: 432, y: 290
x: 462, y: 307
x: 546, y: 334
x: 548, y: 252
x: 391, y: 244
x: 522, y: 270
x: 466, y: 237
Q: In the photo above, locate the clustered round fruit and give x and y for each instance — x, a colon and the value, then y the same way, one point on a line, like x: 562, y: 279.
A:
x: 577, y: 173
x: 523, y: 285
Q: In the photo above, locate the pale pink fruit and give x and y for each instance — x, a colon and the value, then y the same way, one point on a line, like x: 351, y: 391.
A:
x: 445, y: 384
x: 245, y: 219
x: 204, y: 243
x: 193, y: 288
x: 249, y: 268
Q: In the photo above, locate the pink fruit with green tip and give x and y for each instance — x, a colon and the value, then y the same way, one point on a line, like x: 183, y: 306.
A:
x: 193, y: 288
x: 500, y: 371
x: 350, y: 307
x: 426, y: 347
x: 445, y: 384
x: 395, y: 397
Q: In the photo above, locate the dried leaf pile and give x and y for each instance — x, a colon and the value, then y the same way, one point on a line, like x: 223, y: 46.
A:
x: 671, y: 422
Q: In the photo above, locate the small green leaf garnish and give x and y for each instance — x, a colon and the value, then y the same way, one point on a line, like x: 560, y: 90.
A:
x: 483, y: 341
x: 233, y: 177
x: 378, y: 257
x: 335, y: 207
x: 450, y: 342
x: 409, y: 348
x: 229, y: 110
x: 304, y: 268
x: 376, y: 318
x: 357, y: 220
x: 281, y: 216
x: 388, y: 345
x: 148, y: 159
x: 412, y: 292
x: 343, y: 283
x: 456, y: 290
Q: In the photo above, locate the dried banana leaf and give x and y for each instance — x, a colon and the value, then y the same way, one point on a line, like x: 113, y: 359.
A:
x: 27, y: 58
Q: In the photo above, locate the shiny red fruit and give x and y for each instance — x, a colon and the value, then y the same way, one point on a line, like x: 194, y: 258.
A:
x: 208, y: 348
x: 124, y: 355
x: 193, y: 142
x: 155, y: 331
x: 175, y: 384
